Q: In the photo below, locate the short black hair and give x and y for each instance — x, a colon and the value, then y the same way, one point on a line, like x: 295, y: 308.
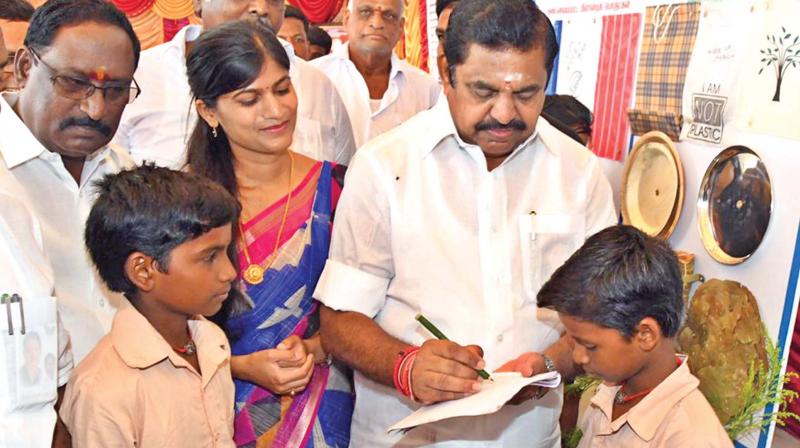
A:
x: 16, y: 10
x: 49, y: 18
x: 617, y: 278
x: 442, y: 4
x: 295, y: 13
x: 151, y: 210
x: 499, y: 25
x: 318, y: 36
x: 568, y: 110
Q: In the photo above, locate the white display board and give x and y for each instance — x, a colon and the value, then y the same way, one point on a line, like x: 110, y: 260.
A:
x: 771, y: 273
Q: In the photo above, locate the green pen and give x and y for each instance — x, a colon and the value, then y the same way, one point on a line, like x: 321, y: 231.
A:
x: 439, y: 335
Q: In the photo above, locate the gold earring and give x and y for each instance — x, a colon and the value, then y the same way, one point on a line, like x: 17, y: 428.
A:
x: 214, y: 131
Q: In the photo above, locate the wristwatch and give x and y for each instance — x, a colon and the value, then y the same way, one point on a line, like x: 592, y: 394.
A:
x: 548, y: 363
x: 551, y: 367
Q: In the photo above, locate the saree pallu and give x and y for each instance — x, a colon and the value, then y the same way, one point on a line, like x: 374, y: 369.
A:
x: 281, y: 306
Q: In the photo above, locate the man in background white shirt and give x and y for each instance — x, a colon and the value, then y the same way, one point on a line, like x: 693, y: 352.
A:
x: 76, y: 77
x: 158, y: 126
x: 379, y: 89
x: 28, y: 315
x: 461, y: 214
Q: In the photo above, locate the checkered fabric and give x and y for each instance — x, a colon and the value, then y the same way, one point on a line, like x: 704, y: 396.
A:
x: 667, y: 43
x: 651, y: 120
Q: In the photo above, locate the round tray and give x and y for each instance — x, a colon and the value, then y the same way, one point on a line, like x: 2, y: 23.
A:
x: 734, y: 205
x: 653, y: 186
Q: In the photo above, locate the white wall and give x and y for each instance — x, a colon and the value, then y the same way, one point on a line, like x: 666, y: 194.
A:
x: 767, y: 272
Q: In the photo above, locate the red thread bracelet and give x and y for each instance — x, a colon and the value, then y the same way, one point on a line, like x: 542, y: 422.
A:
x: 401, y: 374
x: 408, y: 366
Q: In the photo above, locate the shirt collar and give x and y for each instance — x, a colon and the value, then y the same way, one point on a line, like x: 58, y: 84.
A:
x: 17, y: 144
x: 189, y: 33
x: 645, y: 418
x: 397, y: 65
x: 289, y: 50
x: 442, y: 127
x: 141, y: 346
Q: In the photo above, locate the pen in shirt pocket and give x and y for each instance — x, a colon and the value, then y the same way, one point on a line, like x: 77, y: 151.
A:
x: 8, y: 300
x: 439, y: 335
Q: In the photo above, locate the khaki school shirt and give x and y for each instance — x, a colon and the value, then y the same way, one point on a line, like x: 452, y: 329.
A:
x: 674, y: 414
x: 134, y: 390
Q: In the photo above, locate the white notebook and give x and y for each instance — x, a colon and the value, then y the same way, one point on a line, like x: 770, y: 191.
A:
x: 492, y: 396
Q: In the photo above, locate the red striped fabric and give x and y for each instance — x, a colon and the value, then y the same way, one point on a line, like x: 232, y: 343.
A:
x: 171, y: 27
x: 319, y: 11
x: 423, y: 31
x: 133, y: 8
x: 615, y: 84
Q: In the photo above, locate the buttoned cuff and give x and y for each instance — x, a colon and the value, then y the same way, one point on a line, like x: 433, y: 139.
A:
x: 345, y: 288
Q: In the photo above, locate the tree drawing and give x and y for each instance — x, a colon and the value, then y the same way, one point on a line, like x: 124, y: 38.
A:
x: 782, y: 53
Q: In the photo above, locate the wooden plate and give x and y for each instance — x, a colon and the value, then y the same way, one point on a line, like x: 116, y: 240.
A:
x: 653, y: 186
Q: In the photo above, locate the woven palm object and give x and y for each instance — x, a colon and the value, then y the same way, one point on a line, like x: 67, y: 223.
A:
x: 723, y: 336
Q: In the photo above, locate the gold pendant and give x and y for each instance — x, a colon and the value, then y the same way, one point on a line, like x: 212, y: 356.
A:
x: 254, y: 274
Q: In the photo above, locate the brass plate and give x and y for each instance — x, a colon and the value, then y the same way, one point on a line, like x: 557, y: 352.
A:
x: 653, y: 186
x: 734, y: 205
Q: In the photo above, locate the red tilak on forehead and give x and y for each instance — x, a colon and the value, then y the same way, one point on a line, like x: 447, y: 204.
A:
x: 99, y: 74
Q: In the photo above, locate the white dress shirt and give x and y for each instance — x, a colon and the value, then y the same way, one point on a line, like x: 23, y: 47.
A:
x: 27, y: 417
x: 157, y: 126
x: 410, y: 91
x: 38, y: 177
x: 424, y: 227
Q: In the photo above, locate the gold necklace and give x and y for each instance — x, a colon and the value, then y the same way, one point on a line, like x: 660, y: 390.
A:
x: 254, y: 274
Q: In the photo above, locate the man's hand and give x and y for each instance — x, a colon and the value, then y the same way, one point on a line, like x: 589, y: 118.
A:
x: 528, y: 364
x: 444, y: 370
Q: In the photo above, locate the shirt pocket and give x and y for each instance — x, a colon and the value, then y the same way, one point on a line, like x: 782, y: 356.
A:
x: 546, y: 242
x: 30, y: 352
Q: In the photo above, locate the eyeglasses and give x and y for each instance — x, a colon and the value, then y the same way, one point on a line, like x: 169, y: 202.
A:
x: 80, y: 89
x: 7, y: 70
x: 388, y: 16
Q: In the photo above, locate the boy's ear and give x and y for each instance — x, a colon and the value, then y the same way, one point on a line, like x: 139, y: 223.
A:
x: 140, y: 270
x: 648, y: 334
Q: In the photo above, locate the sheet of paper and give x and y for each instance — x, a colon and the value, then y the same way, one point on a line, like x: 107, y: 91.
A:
x: 493, y: 395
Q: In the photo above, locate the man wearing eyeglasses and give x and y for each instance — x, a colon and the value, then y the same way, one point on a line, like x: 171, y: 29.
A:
x: 379, y: 89
x: 75, y: 76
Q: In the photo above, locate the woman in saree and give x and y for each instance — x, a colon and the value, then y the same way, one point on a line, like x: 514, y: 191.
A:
x: 288, y: 392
